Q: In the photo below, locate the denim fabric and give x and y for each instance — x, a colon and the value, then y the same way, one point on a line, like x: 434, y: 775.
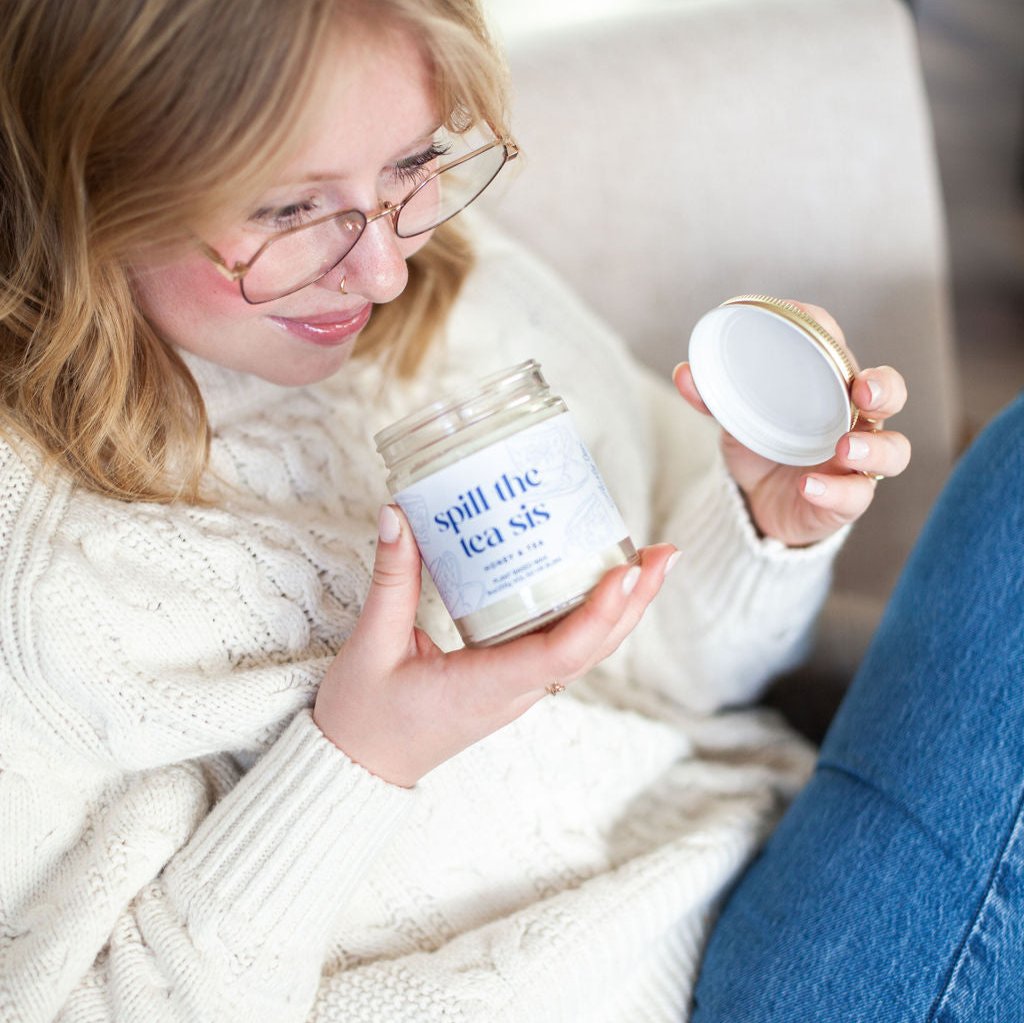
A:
x: 893, y: 889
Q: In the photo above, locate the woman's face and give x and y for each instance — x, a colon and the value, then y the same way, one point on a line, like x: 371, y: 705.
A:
x: 366, y: 125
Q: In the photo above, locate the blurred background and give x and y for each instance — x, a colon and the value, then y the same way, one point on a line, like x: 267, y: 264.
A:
x: 972, y: 55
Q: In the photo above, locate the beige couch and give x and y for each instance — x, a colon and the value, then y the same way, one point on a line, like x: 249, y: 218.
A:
x: 709, y: 148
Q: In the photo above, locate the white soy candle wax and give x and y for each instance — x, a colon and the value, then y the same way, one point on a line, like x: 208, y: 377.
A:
x: 509, y: 511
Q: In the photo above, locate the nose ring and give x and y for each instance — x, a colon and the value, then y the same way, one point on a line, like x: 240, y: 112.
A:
x: 341, y: 285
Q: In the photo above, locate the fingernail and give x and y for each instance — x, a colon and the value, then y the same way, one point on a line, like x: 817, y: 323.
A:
x: 678, y: 367
x: 813, y: 487
x: 630, y: 579
x: 671, y: 563
x: 389, y: 528
x: 858, y: 448
x: 876, y: 391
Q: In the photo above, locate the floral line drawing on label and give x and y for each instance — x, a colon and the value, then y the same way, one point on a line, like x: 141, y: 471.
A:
x: 510, y: 513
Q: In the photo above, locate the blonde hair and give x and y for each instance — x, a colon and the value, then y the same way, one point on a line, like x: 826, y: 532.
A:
x: 120, y: 123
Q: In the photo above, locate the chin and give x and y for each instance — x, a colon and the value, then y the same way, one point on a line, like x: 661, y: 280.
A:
x: 301, y: 372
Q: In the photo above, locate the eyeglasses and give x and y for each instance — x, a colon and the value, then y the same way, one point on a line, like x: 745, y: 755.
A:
x: 298, y: 256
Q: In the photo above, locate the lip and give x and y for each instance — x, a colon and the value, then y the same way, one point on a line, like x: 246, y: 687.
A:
x: 326, y: 329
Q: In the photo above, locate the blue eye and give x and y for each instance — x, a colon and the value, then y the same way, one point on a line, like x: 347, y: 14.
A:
x: 280, y: 218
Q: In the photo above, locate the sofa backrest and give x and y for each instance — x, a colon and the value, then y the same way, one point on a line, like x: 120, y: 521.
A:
x: 674, y: 158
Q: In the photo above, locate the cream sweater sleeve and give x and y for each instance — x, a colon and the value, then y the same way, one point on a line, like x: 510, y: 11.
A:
x: 737, y: 609
x: 144, y: 876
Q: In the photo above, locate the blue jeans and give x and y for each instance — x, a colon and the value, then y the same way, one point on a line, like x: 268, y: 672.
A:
x: 893, y: 889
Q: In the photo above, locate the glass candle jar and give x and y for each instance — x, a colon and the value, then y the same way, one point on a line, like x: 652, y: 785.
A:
x: 509, y: 512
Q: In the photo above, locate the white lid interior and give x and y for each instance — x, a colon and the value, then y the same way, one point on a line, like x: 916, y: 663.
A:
x: 769, y: 384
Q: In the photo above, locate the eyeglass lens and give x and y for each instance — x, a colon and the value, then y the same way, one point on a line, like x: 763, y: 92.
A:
x: 294, y: 260
x: 299, y: 258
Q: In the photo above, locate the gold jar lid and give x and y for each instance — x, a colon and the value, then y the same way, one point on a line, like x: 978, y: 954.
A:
x: 774, y: 378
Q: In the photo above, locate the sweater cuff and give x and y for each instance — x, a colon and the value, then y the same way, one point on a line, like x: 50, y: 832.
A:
x: 740, y: 571
x: 276, y: 860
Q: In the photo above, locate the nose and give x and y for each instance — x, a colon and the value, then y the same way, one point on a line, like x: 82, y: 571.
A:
x: 376, y: 267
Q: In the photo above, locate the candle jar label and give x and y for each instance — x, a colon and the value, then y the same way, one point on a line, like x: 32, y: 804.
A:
x: 510, y: 514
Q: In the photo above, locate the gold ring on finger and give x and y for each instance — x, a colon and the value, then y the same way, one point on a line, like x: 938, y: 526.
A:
x: 876, y: 476
x: 554, y: 689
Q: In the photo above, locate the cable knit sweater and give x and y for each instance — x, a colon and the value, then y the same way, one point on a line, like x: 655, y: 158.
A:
x: 181, y: 843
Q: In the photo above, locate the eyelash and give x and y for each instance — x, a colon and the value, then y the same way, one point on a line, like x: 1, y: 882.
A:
x: 409, y: 169
x: 283, y: 217
x: 291, y: 215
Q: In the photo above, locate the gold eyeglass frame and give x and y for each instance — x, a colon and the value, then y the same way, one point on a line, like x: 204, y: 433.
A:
x: 240, y: 269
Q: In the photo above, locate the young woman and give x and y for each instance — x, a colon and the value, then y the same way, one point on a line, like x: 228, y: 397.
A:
x: 246, y: 772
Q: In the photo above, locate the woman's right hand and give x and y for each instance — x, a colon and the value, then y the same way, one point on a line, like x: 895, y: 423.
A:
x: 399, y: 706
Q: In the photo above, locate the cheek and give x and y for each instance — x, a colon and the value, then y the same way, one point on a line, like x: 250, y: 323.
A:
x: 197, y: 282
x: 186, y: 296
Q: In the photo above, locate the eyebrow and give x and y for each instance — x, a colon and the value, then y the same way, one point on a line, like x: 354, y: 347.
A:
x: 415, y: 146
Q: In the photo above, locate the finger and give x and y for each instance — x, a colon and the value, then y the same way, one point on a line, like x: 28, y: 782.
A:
x: 885, y: 452
x: 570, y: 646
x: 682, y: 377
x: 562, y: 651
x: 657, y: 561
x: 389, y: 611
x: 879, y: 392
x: 839, y: 499
x: 593, y: 631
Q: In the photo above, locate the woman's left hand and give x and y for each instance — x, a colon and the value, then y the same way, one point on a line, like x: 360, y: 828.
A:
x: 800, y: 505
